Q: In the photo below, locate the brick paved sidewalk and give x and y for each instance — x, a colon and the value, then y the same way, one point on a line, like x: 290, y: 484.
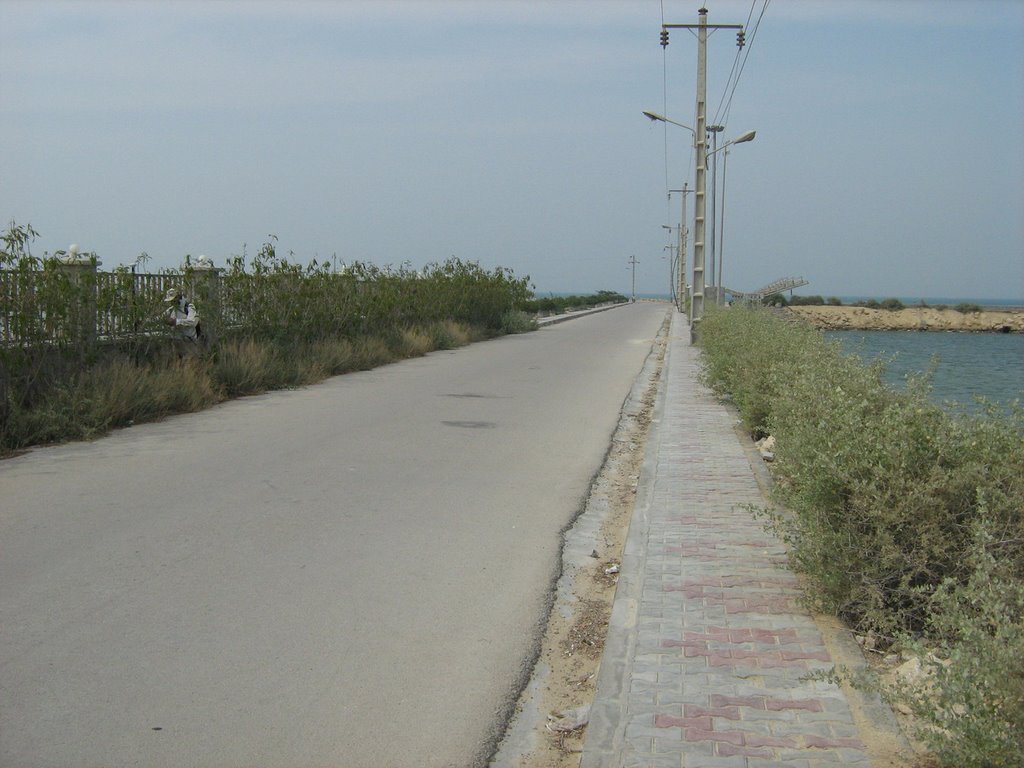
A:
x: 707, y: 645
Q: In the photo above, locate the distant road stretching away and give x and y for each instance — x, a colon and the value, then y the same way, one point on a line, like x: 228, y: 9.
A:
x: 351, y: 574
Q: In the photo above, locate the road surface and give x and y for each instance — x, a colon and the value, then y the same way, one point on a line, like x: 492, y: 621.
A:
x: 351, y: 574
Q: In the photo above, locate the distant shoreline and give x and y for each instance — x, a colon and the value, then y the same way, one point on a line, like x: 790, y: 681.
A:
x: 839, y: 318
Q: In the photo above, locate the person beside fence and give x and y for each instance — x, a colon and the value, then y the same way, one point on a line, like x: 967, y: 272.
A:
x: 183, y: 317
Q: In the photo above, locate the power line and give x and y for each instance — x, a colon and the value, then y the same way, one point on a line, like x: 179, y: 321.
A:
x: 746, y: 55
x: 732, y: 72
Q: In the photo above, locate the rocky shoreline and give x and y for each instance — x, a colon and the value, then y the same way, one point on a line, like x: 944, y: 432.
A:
x: 838, y: 318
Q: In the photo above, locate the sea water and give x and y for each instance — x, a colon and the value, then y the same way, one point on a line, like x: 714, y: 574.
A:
x: 964, y: 366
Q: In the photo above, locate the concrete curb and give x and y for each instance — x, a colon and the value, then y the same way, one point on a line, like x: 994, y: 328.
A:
x: 552, y: 319
x: 607, y: 727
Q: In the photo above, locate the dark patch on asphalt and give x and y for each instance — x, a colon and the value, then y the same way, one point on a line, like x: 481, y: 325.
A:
x: 471, y: 424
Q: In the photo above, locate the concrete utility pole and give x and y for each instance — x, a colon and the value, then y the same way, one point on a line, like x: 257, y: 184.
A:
x: 697, y: 300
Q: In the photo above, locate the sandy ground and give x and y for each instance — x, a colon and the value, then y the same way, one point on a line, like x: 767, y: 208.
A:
x: 911, y: 319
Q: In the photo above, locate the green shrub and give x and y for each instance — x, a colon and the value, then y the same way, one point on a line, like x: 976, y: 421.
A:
x: 806, y: 301
x: 270, y: 322
x: 742, y: 347
x: 892, y: 305
x: 775, y: 300
x: 883, y: 495
x: 967, y: 308
x: 969, y: 704
x: 518, y: 321
x: 448, y: 334
x: 882, y: 484
x: 883, y: 487
x: 835, y: 301
x: 557, y: 305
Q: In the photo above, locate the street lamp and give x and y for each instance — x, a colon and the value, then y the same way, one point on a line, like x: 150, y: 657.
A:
x: 748, y: 136
x: 655, y: 117
x: 673, y: 262
x: 713, y: 131
x: 633, y: 262
x: 681, y: 292
x: 683, y: 231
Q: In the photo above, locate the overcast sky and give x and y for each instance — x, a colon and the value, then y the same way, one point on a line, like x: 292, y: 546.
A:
x: 888, y: 159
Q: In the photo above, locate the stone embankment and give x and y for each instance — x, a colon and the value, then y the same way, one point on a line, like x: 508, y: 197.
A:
x: 838, y: 318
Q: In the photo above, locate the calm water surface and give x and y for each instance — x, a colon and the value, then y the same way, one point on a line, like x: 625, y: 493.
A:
x: 969, y: 365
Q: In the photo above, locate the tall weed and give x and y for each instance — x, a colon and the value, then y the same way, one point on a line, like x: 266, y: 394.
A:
x: 246, y: 367
x: 113, y: 393
x: 414, y: 342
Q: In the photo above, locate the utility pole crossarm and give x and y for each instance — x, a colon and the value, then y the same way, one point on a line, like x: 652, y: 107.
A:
x: 706, y: 26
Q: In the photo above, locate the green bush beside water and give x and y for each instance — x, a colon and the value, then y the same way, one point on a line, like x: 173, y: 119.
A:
x: 907, y: 519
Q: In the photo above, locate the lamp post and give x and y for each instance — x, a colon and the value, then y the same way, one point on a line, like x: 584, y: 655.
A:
x: 681, y: 294
x: 713, y: 284
x: 683, y: 230
x: 674, y: 262
x: 748, y: 136
x: 633, y: 262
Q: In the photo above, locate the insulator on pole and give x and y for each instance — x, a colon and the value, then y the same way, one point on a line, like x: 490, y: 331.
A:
x: 741, y: 38
x: 664, y: 38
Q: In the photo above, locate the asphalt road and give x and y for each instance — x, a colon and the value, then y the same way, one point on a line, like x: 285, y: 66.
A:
x: 352, y: 574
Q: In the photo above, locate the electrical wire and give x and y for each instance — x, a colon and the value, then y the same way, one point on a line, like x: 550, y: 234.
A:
x: 746, y: 55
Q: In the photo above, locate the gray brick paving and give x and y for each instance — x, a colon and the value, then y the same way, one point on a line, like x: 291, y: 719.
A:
x: 708, y: 647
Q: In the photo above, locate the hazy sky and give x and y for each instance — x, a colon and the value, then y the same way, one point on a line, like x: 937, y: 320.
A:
x: 888, y: 159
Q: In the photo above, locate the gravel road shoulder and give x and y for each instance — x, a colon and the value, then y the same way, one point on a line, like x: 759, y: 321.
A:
x: 549, y: 723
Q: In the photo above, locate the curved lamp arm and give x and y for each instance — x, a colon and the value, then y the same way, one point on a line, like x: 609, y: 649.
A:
x: 655, y: 117
x: 748, y: 136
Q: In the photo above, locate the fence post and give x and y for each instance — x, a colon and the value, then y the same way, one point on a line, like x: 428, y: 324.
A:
x: 207, y: 295
x: 81, y: 272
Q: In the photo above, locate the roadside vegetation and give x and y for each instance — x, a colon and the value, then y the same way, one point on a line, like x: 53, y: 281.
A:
x: 893, y: 305
x: 80, y: 355
x: 557, y: 305
x: 908, y: 521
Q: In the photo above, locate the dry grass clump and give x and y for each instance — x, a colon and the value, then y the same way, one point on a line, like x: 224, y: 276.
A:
x: 119, y: 391
x: 414, y: 342
x: 243, y: 367
x: 448, y: 334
